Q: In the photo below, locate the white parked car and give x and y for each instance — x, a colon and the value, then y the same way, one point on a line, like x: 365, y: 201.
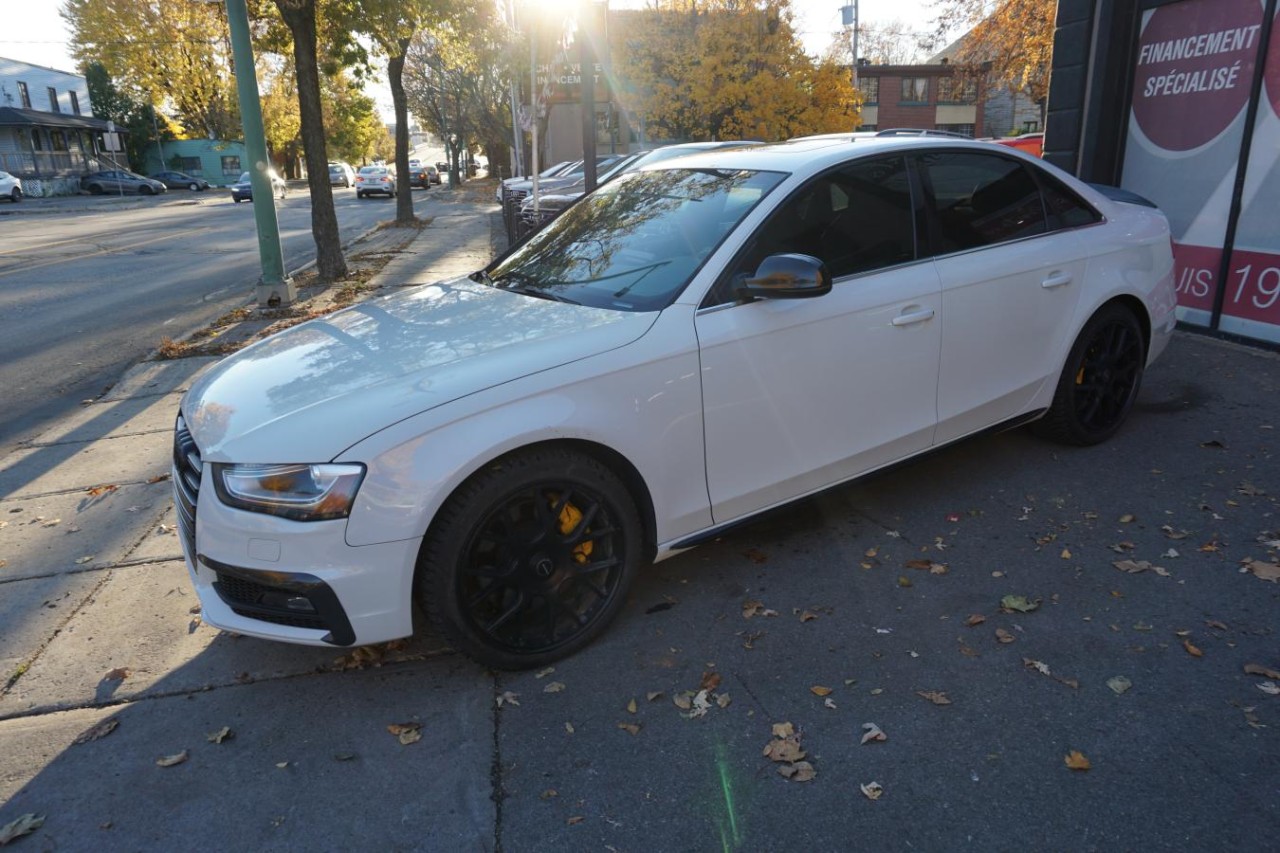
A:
x: 691, y: 345
x: 375, y: 179
x: 10, y: 187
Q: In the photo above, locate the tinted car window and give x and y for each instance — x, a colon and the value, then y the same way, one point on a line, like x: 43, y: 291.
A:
x: 980, y: 199
x: 1065, y: 208
x: 856, y: 219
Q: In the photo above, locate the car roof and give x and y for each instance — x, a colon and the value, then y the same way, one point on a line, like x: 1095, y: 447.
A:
x: 809, y: 156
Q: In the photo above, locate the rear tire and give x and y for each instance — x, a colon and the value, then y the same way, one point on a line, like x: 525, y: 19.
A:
x: 95, y: 189
x: 193, y: 187
x: 1100, y: 380
x: 530, y: 559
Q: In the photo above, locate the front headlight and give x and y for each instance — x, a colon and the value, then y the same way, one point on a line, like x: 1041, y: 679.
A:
x: 299, y: 492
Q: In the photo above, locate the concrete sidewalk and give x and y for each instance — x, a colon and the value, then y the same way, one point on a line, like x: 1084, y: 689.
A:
x: 97, y: 614
x: 880, y: 594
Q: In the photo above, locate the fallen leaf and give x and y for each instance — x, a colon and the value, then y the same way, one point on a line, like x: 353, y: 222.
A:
x: 873, y: 733
x: 723, y: 699
x: 871, y: 790
x: 101, y: 490
x: 756, y: 608
x: 120, y: 673
x: 1171, y: 533
x: 630, y: 728
x: 53, y: 522
x: 1250, y: 490
x: 406, y: 733
x: 1215, y: 624
x: 24, y: 825
x: 568, y: 727
x: 975, y: 619
x: 87, y: 558
x: 871, y: 552
x: 953, y: 517
x: 1264, y: 571
x: 701, y: 705
x: 808, y: 616
x: 1128, y: 518
x: 553, y: 687
x: 548, y: 794
x: 1004, y: 636
x: 222, y: 734
x: 575, y: 820
x: 631, y: 707
x: 755, y: 555
x: 344, y: 756
x: 1066, y: 554
x: 543, y: 673
x: 786, y: 749
x: 683, y: 700
x: 158, y: 478
x: 1259, y: 669
x: 97, y: 732
x: 829, y: 703
x: 1043, y: 668
x: 801, y: 771
x: 904, y: 581
x: 652, y: 695
x: 710, y: 681
x: 1191, y: 648
x: 1269, y: 687
x: 509, y: 698
x: 1134, y: 567
x: 1076, y: 760
x: 171, y: 760
x: 1019, y: 603
x: 1122, y: 547
x: 819, y: 690
x: 934, y: 696
x: 1119, y: 684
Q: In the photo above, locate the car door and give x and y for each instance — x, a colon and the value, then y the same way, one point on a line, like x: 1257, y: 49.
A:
x: 1009, y: 283
x: 799, y: 394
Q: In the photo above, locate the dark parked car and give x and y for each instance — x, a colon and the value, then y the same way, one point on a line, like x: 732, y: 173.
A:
x: 118, y: 180
x: 181, y: 181
x: 420, y: 176
x: 341, y: 175
x: 242, y: 190
x: 433, y: 174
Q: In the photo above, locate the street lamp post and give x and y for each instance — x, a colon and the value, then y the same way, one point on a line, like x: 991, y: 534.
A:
x: 274, y: 288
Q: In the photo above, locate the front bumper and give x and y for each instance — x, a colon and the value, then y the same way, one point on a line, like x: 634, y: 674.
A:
x: 299, y: 582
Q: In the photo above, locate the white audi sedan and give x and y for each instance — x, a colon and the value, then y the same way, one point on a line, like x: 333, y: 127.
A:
x: 687, y: 347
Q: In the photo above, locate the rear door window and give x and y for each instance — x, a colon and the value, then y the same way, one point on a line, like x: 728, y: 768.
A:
x: 978, y: 199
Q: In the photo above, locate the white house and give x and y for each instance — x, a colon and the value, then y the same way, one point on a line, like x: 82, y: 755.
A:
x: 48, y: 135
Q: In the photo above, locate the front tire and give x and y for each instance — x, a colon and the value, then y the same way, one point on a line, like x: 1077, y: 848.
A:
x: 145, y: 190
x: 1100, y: 380
x: 193, y: 187
x: 16, y: 195
x: 530, y: 559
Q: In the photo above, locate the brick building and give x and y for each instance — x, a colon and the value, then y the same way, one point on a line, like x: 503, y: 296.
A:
x: 929, y: 97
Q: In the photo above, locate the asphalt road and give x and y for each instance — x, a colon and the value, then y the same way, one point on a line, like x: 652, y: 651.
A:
x: 88, y: 286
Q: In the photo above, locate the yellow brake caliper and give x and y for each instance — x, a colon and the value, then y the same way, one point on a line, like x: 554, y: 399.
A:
x: 570, y: 517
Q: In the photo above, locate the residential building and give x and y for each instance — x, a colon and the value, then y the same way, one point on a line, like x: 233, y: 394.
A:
x: 926, y: 97
x: 48, y: 135
x: 218, y: 161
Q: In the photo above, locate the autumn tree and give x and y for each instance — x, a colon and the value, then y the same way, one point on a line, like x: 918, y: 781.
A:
x: 300, y: 17
x: 455, y: 82
x: 391, y: 24
x: 1010, y: 41
x: 727, y: 69
x: 174, y: 56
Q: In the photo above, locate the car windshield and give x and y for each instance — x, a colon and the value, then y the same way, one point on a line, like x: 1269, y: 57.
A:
x: 373, y: 170
x: 635, y: 243
x: 244, y: 178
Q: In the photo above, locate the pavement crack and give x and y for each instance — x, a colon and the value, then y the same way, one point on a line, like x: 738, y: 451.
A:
x: 25, y: 666
x: 495, y: 769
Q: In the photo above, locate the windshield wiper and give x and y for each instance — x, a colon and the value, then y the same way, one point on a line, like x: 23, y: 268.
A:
x: 516, y: 286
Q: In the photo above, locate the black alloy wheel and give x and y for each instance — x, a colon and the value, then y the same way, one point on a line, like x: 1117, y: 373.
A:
x: 1100, y: 381
x: 530, y: 559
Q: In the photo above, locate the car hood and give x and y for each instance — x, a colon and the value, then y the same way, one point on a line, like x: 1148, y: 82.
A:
x: 310, y: 392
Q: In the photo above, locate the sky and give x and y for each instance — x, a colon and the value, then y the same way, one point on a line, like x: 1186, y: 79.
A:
x: 34, y: 31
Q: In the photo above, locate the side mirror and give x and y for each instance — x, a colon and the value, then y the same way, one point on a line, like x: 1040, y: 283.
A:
x: 786, y: 276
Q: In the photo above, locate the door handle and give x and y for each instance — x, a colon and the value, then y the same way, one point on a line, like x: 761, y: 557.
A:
x: 1056, y: 279
x: 908, y: 318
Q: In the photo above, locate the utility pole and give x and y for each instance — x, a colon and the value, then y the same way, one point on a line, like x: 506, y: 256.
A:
x: 849, y: 17
x: 274, y: 288
x: 587, y: 86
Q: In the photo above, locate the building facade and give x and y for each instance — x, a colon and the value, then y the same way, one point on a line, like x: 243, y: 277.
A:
x: 924, y: 97
x: 48, y: 135
x: 218, y: 161
x: 1179, y: 101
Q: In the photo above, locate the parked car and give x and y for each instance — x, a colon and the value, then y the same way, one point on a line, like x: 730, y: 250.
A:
x: 517, y: 189
x: 433, y: 175
x: 376, y: 180
x: 413, y: 164
x: 119, y: 180
x: 690, y: 346
x: 552, y: 205
x: 552, y: 171
x: 181, y: 181
x: 1032, y: 143
x: 341, y: 175
x: 419, y: 176
x: 242, y: 189
x: 10, y: 187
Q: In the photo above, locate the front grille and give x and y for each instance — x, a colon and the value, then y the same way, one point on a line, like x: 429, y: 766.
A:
x: 254, y: 601
x: 186, y: 483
